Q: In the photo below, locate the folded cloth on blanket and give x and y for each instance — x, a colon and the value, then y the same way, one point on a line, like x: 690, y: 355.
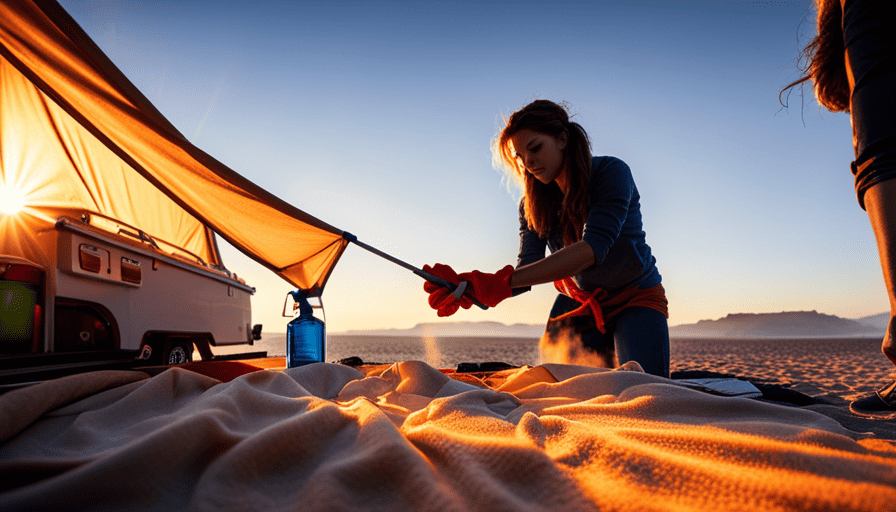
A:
x: 408, y: 437
x: 725, y: 387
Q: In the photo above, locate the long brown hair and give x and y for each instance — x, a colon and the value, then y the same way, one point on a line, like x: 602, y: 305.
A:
x: 823, y: 60
x: 547, y: 208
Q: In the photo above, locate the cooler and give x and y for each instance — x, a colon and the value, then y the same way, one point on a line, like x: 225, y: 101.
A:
x: 21, y: 294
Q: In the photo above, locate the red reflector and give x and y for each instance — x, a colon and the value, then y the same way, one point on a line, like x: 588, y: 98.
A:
x: 90, y: 261
x: 35, y: 340
x: 130, y: 271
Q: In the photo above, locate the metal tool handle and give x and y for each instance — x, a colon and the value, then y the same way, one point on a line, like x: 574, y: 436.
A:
x: 425, y: 275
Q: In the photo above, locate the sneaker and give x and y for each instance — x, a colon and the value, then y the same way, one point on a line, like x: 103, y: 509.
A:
x: 879, y: 406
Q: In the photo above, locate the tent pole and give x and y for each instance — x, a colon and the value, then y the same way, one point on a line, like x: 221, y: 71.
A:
x: 425, y: 275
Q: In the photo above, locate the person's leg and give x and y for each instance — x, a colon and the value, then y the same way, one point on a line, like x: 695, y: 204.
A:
x: 880, y: 202
x: 868, y: 38
x: 642, y: 335
x: 868, y: 35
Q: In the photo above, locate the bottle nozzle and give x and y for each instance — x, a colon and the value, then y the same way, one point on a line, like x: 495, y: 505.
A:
x: 301, y: 299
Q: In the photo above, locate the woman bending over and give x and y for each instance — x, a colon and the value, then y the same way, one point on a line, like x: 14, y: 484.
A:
x: 586, y: 210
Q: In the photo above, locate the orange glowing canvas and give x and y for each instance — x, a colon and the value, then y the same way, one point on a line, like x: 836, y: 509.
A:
x: 77, y: 137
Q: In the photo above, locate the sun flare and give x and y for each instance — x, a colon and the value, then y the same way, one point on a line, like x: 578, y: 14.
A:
x: 12, y: 200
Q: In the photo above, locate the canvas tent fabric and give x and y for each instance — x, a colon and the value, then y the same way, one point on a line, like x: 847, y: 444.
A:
x: 76, y: 136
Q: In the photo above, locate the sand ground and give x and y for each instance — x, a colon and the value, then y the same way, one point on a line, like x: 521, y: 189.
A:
x: 825, y: 373
x: 833, y: 369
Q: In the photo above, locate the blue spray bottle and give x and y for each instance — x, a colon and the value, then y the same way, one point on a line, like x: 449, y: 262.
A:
x: 305, y: 335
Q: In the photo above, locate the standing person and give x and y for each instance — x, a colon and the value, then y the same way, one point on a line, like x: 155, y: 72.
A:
x: 586, y: 210
x: 852, y: 62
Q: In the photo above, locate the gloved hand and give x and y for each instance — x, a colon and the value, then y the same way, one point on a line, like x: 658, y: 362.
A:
x: 440, y: 298
x: 489, y: 289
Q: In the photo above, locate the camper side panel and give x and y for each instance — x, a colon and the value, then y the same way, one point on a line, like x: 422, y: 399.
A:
x: 146, y: 292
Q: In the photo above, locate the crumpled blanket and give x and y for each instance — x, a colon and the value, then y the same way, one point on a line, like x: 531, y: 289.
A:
x: 408, y: 437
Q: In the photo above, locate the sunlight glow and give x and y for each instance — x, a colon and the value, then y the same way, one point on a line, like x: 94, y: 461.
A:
x: 12, y: 200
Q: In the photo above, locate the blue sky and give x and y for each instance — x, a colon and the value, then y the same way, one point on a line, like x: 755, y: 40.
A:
x: 376, y: 117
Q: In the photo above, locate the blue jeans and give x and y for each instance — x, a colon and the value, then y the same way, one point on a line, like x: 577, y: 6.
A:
x: 638, y: 334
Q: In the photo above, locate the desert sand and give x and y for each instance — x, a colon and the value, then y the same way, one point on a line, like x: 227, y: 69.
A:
x: 822, y: 374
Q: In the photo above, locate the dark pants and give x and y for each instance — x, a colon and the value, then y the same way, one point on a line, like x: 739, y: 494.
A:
x: 638, y: 334
x: 871, y: 49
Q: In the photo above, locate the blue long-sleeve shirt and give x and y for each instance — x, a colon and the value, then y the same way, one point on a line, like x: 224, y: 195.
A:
x: 613, y: 229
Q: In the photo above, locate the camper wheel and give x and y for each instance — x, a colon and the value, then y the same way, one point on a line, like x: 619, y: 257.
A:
x: 162, y: 348
x: 178, y: 351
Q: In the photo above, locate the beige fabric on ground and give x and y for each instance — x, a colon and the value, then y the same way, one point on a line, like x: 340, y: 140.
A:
x: 407, y: 437
x: 20, y: 409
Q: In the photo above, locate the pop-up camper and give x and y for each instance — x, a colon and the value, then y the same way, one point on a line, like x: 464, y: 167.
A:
x: 108, y: 215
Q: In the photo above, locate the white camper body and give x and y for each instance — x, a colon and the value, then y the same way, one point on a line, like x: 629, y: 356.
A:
x: 118, y: 291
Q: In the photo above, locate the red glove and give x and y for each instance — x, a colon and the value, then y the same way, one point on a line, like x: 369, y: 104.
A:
x: 489, y: 289
x: 440, y: 298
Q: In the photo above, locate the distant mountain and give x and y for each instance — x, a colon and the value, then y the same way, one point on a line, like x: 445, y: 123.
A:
x: 878, y: 321
x: 784, y: 324
x: 449, y: 329
x: 736, y: 325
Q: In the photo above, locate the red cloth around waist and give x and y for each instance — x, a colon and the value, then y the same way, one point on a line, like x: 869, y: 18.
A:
x: 606, y: 309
